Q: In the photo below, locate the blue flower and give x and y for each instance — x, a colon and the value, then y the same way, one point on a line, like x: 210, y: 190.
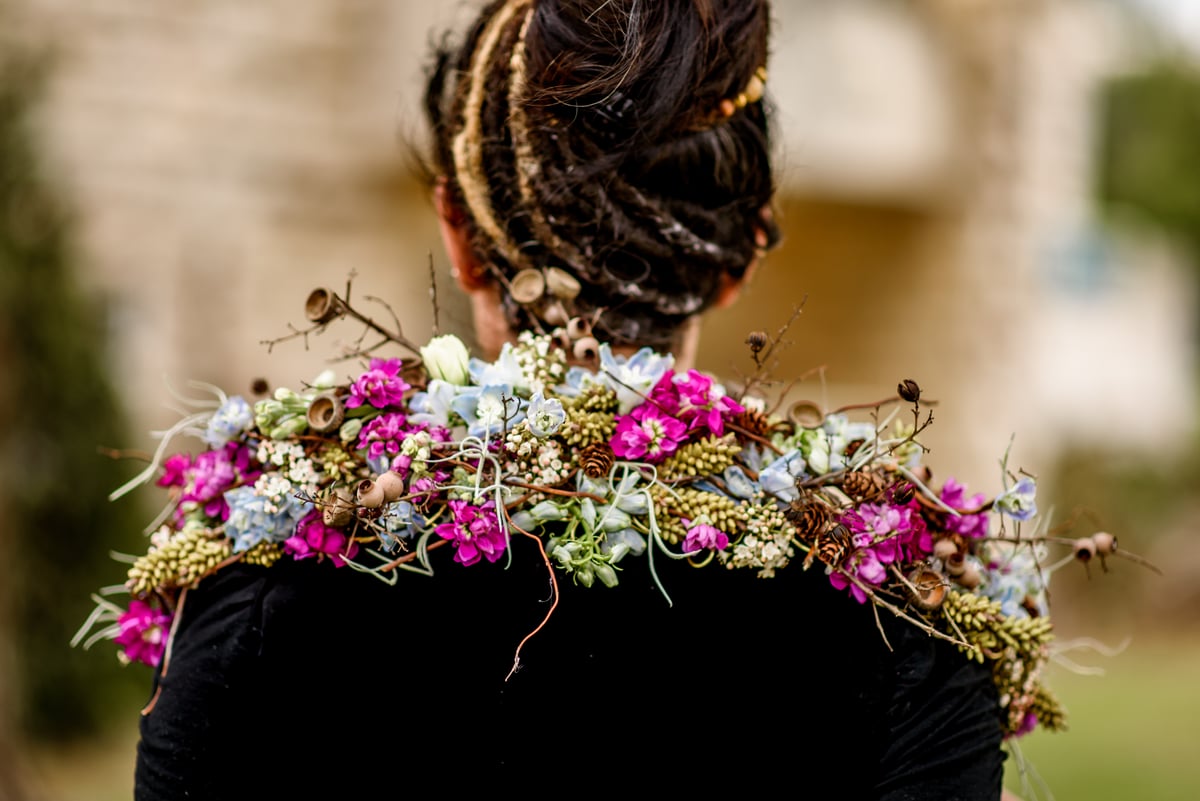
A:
x: 544, y: 416
x: 505, y: 371
x: 489, y: 410
x: 1018, y: 501
x: 433, y: 406
x: 255, y: 518
x: 233, y: 417
x: 779, y: 477
x: 633, y: 377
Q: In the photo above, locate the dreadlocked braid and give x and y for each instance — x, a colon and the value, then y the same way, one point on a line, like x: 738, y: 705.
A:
x: 580, y: 134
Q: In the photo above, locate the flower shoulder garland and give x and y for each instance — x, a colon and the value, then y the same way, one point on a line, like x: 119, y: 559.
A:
x: 619, y: 459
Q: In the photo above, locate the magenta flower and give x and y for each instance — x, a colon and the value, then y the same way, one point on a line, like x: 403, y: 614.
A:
x: 475, y: 532
x: 207, y: 478
x: 704, y: 536
x: 646, y: 434
x: 314, y: 538
x: 894, y: 527
x: 143, y: 633
x: 383, y: 435
x: 968, y: 525
x: 865, y: 565
x: 175, y: 471
x: 691, y: 400
x: 381, y: 386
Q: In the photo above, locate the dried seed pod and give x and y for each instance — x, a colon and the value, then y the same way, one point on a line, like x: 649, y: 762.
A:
x: 259, y: 386
x: 970, y: 578
x: 561, y: 284
x: 956, y: 564
x: 1085, y: 549
x: 369, y: 494
x: 909, y: 390
x: 753, y: 421
x: 757, y: 341
x: 586, y: 349
x: 578, y: 328
x: 928, y: 588
x: 391, y: 483
x: 554, y: 313
x: 945, y: 548
x: 806, y: 414
x: 326, y: 413
x: 322, y: 305
x: 339, y: 509
x: 527, y: 286
x: 1106, y: 544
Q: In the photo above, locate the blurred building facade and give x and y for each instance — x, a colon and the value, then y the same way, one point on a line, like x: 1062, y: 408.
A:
x: 935, y: 169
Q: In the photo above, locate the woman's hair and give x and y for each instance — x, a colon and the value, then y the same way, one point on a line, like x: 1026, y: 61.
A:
x: 607, y: 138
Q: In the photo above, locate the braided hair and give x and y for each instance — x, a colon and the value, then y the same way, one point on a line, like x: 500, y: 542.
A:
x: 591, y: 136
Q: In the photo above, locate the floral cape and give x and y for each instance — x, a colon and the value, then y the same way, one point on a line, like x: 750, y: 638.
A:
x: 624, y: 457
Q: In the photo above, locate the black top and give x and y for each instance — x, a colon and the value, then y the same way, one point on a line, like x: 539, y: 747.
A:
x: 303, y: 679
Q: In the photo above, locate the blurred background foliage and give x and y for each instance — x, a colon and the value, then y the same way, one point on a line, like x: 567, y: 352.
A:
x: 1149, y: 161
x: 58, y: 411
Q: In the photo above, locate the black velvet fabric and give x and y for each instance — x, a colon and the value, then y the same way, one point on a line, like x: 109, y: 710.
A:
x: 304, y: 680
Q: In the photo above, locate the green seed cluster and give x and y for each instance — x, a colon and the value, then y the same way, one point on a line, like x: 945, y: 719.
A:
x: 594, y: 398
x: 991, y: 632
x: 337, y: 464
x: 1050, y: 712
x: 707, y: 457
x: 264, y: 554
x: 672, y: 507
x: 179, y: 562
x: 583, y: 428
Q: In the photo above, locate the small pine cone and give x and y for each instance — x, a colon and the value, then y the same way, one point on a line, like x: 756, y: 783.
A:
x: 754, y: 422
x: 832, y: 545
x: 809, y: 518
x: 596, y: 459
x: 860, y: 485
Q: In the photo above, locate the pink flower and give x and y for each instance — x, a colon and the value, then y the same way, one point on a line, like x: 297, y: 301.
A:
x: 475, y: 532
x: 704, y: 536
x: 314, y: 538
x: 143, y: 633
x: 968, y: 525
x: 175, y: 471
x: 891, y: 529
x: 865, y: 565
x: 647, y: 434
x: 381, y: 386
x: 382, y: 435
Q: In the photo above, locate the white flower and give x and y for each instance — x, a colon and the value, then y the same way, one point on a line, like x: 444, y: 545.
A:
x: 446, y: 358
x: 544, y: 416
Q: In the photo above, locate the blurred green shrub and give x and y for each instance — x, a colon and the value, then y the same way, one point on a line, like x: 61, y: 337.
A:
x: 57, y: 409
x: 1149, y: 157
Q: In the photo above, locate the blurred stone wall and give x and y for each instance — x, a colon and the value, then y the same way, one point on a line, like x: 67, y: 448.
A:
x: 935, y: 155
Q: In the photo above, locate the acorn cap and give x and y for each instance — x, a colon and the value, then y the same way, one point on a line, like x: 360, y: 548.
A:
x: 561, y: 284
x: 322, y: 305
x: 806, y: 414
x: 527, y: 286
x: 326, y: 413
x: 928, y: 589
